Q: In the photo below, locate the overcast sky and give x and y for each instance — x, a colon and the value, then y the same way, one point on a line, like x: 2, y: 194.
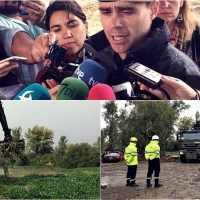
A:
x: 194, y: 106
x: 78, y: 120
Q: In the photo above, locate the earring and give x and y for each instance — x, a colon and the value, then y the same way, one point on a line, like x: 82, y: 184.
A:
x: 179, y: 19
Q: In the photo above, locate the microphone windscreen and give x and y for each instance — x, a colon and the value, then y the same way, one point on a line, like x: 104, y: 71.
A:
x: 101, y: 92
x: 34, y: 91
x: 72, y: 89
x: 90, y: 72
x: 39, y: 74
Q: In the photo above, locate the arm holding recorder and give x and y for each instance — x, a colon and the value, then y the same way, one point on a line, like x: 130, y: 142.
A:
x: 56, y: 66
x: 175, y: 88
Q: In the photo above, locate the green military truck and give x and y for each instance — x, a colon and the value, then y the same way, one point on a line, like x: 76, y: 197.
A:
x: 190, y: 142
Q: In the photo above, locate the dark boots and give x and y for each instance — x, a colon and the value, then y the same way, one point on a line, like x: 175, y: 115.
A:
x: 148, y: 183
x: 133, y: 184
x: 157, y: 184
x: 128, y: 182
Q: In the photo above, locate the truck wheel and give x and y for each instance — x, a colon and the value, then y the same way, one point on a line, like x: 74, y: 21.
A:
x: 183, y: 159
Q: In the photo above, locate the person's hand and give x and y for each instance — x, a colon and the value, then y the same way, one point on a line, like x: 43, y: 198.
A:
x: 176, y: 89
x: 52, y: 91
x: 6, y: 67
x: 40, y: 47
x: 51, y: 83
x: 36, y: 11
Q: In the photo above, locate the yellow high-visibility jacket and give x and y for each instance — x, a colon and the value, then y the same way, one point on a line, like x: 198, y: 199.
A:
x: 131, y: 155
x: 152, y: 150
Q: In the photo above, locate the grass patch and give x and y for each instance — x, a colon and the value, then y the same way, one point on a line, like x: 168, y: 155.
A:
x: 80, y: 183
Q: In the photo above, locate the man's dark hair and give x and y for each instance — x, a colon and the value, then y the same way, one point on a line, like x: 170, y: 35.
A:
x: 65, y: 5
x: 148, y: 4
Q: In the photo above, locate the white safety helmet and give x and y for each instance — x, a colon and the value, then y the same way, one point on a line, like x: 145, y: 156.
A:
x: 155, y: 137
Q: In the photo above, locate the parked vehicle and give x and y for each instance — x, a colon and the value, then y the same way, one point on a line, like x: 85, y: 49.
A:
x: 189, y: 141
x: 113, y: 156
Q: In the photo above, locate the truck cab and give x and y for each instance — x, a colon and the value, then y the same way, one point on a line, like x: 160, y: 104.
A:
x: 189, y: 145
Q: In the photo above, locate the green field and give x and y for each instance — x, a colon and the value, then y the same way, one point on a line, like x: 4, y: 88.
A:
x: 80, y: 183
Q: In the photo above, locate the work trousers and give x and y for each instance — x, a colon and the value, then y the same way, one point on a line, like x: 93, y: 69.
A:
x: 154, y: 166
x: 131, y: 173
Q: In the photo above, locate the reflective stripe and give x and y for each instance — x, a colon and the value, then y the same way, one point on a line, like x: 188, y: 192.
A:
x: 148, y: 178
x: 132, y: 180
x: 134, y: 154
x: 156, y: 177
x: 153, y: 152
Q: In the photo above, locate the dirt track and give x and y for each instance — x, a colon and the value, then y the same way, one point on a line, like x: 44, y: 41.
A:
x: 180, y: 181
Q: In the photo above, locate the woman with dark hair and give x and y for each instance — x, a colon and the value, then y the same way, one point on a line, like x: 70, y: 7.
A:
x: 67, y: 24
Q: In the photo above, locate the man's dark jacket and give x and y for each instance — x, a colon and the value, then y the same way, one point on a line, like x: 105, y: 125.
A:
x: 154, y: 52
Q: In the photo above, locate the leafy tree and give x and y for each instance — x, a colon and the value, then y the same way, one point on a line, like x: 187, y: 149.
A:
x: 60, y: 150
x: 39, y: 140
x: 82, y: 155
x: 104, y: 139
x: 143, y: 119
x: 110, y: 117
x: 185, y: 123
x: 98, y: 142
x: 179, y: 106
x: 17, y: 133
x: 41, y: 160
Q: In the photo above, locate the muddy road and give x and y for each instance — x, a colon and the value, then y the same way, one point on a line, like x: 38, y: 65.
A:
x: 180, y: 181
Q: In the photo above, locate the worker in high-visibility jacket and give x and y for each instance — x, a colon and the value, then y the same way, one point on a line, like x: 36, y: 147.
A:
x: 152, y: 154
x: 131, y: 159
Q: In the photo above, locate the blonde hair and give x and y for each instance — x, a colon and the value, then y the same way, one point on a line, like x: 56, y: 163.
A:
x: 190, y: 21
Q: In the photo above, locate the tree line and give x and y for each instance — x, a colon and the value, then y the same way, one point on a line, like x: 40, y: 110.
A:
x: 143, y: 119
x: 39, y: 151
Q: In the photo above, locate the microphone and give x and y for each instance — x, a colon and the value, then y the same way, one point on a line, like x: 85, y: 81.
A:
x: 39, y: 75
x: 124, y: 91
x: 101, y: 92
x: 72, y: 89
x: 90, y: 72
x: 34, y: 91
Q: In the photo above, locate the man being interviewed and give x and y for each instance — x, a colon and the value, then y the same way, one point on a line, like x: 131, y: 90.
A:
x: 152, y: 154
x: 133, y: 33
x: 131, y: 159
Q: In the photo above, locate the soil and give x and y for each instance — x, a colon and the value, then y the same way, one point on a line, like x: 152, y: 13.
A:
x: 180, y: 181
